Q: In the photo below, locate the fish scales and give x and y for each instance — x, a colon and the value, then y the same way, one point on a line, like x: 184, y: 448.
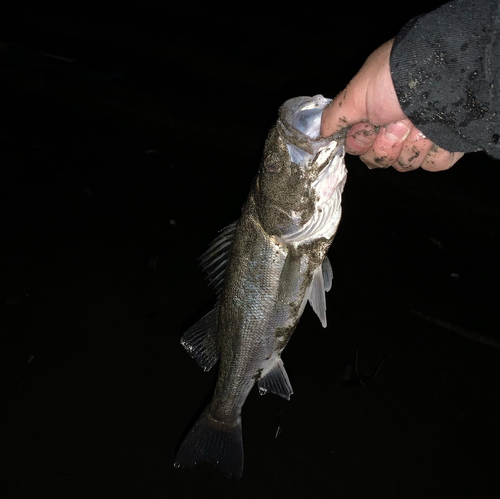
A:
x: 249, y: 302
x: 274, y: 264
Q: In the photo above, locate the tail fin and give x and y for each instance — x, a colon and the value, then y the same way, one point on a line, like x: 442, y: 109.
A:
x: 218, y: 443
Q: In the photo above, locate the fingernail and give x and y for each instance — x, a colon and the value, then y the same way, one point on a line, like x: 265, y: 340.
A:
x: 396, y: 131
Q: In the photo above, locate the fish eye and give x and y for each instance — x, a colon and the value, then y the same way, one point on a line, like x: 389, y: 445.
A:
x: 272, y: 167
x: 270, y: 164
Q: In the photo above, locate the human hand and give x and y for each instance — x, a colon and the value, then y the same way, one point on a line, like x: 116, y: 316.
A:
x: 380, y: 134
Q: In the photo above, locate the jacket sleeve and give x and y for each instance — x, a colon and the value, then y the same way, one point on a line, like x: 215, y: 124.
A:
x: 445, y: 66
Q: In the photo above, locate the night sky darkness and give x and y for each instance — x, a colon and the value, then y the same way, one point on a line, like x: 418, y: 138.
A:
x: 123, y: 150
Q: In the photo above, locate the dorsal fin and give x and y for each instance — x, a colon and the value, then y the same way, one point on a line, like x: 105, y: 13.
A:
x: 214, y: 260
x: 276, y: 381
x: 200, y: 340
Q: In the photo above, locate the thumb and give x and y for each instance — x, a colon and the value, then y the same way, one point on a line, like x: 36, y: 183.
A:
x: 369, y: 96
x: 343, y: 111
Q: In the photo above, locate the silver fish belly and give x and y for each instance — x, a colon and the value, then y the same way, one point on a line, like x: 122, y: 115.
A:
x: 265, y: 268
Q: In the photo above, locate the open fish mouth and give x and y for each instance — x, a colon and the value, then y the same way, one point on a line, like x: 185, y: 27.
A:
x: 299, y: 124
x: 303, y: 114
x: 300, y: 120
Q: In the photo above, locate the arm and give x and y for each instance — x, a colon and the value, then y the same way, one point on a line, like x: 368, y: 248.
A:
x: 445, y: 66
x: 376, y: 103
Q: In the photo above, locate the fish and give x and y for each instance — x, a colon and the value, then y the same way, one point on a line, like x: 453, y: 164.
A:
x: 265, y: 267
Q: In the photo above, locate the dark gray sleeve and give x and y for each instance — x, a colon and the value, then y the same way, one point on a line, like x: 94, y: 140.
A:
x: 445, y: 66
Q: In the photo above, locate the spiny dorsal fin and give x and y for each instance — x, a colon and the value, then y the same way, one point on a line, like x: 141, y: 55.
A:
x: 214, y: 260
x: 200, y: 340
x: 276, y: 381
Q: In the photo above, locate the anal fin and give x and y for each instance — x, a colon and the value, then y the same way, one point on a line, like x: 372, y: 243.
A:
x: 276, y: 381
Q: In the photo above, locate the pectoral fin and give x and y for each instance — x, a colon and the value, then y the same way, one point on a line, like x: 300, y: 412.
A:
x: 326, y: 267
x: 321, y: 283
x: 289, y: 277
x: 276, y: 381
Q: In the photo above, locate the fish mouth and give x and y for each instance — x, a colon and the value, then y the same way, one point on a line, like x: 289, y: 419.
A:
x: 299, y: 125
x: 303, y: 114
x: 300, y: 120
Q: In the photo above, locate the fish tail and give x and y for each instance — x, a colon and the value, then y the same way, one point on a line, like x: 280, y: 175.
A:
x: 213, y: 441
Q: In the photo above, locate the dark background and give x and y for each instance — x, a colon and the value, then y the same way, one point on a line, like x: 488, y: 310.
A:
x: 123, y: 150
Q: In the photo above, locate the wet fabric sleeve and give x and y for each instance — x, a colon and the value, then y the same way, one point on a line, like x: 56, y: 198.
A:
x: 445, y: 66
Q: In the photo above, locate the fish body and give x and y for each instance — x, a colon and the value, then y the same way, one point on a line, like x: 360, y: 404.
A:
x: 265, y: 268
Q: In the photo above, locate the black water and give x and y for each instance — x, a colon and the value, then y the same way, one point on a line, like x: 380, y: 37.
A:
x: 118, y: 164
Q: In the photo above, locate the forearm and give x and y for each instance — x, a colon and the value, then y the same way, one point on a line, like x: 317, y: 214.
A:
x: 445, y: 67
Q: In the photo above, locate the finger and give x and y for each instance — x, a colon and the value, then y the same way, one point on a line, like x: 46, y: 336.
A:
x: 456, y: 156
x: 387, y: 146
x: 360, y: 138
x: 341, y: 112
x: 439, y: 159
x: 414, y: 151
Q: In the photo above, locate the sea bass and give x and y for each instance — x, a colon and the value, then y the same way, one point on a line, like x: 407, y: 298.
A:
x: 265, y: 268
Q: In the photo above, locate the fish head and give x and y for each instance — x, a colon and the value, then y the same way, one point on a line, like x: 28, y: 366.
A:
x: 300, y: 170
